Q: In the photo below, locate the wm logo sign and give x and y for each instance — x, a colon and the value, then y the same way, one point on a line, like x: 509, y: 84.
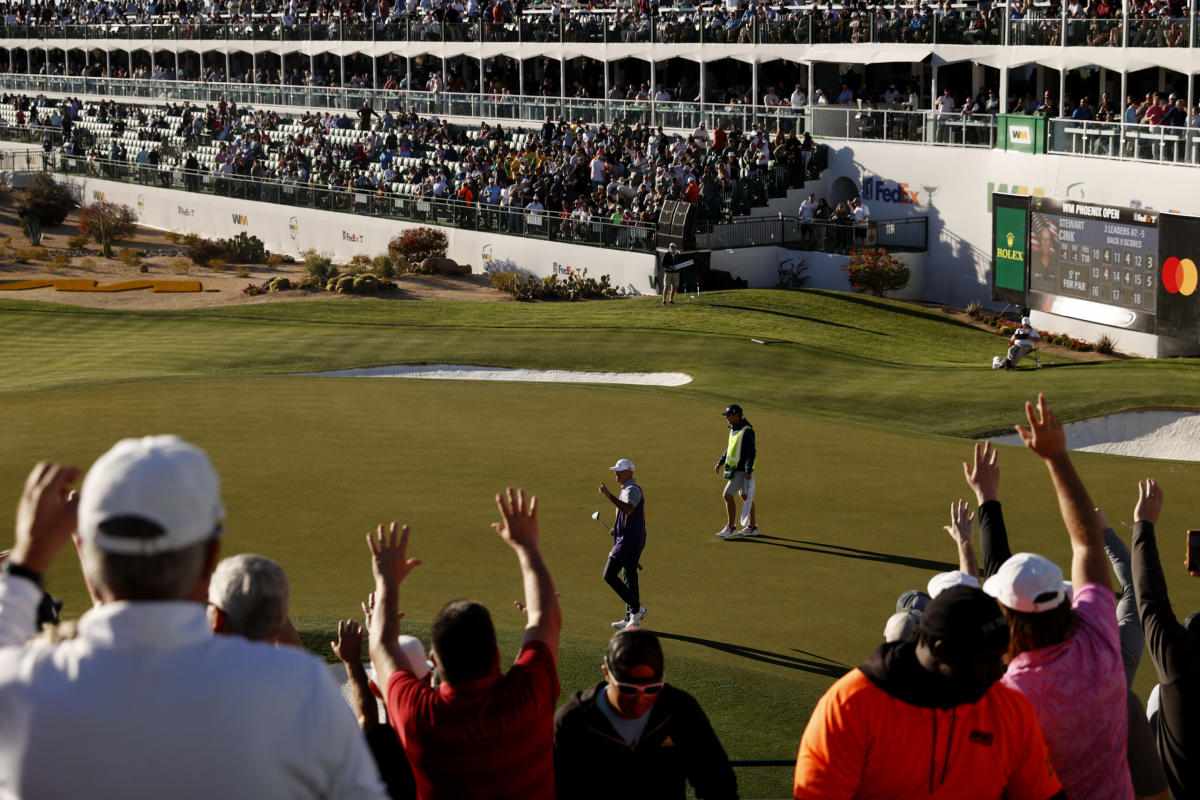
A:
x: 240, y: 219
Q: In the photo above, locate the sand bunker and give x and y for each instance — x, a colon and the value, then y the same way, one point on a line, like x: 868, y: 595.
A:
x: 1171, y: 435
x: 459, y: 372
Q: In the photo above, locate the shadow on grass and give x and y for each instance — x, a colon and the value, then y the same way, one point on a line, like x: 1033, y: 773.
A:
x: 795, y: 316
x: 850, y: 552
x: 878, y: 305
x: 817, y: 665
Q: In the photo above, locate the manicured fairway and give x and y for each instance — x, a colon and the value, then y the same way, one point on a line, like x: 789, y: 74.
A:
x: 855, y: 472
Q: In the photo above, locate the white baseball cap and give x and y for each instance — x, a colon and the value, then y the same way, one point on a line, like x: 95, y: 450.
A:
x: 902, y: 626
x: 1029, y: 583
x: 944, y: 580
x: 161, y: 479
x: 621, y: 465
x: 1024, y: 320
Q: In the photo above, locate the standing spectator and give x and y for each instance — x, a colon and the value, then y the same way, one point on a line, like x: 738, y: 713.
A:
x: 862, y: 219
x: 145, y: 701
x: 1174, y: 649
x: 1065, y: 654
x: 636, y: 737
x: 480, y: 732
x: 926, y: 718
x: 736, y: 465
x: 629, y: 535
x: 248, y: 596
x: 807, y: 213
x: 670, y: 273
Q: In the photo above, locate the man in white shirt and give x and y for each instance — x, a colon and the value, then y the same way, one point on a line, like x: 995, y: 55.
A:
x: 799, y: 99
x: 945, y: 104
x: 861, y: 219
x: 144, y: 701
x: 1022, y: 342
x: 807, y: 213
x: 892, y: 95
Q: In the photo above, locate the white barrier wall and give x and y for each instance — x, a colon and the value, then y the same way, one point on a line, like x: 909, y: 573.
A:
x: 290, y: 230
x: 760, y: 266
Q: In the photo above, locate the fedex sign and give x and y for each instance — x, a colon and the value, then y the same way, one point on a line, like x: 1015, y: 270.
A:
x: 880, y: 190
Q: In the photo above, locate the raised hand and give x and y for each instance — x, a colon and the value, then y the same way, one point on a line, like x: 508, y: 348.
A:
x: 389, y: 561
x: 1045, y: 435
x: 1149, y: 503
x: 45, y: 515
x: 961, y: 527
x: 519, y: 527
x: 983, y: 474
x: 348, y: 647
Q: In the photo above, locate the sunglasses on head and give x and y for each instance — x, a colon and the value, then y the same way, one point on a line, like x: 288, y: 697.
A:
x: 630, y: 689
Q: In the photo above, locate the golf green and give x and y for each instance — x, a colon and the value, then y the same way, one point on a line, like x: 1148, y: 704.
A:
x: 855, y: 476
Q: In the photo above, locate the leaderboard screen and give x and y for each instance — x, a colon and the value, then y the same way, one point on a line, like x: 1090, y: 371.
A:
x: 1094, y: 253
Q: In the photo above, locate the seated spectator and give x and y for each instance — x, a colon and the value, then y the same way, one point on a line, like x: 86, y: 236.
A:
x: 248, y: 596
x: 1065, y: 653
x: 480, y: 732
x: 926, y: 718
x: 1174, y: 649
x: 635, y: 736
x: 1024, y: 338
x: 145, y: 701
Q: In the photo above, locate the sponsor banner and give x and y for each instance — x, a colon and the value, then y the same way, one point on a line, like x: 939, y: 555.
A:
x: 878, y: 190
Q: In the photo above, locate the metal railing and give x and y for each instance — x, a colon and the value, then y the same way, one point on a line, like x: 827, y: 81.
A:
x: 839, y: 121
x: 24, y: 160
x: 1161, y: 143
x: 910, y: 233
x: 572, y: 26
x: 594, y: 231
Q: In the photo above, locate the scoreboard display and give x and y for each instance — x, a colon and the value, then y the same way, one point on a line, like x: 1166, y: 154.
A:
x: 1096, y: 253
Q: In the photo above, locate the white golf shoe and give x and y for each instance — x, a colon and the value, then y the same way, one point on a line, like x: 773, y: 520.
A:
x: 726, y: 532
x: 749, y: 530
x: 637, y: 618
x: 621, y: 623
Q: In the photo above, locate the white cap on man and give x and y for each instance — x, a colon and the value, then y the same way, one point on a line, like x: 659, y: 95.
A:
x: 622, y: 465
x: 160, y: 479
x: 944, y: 580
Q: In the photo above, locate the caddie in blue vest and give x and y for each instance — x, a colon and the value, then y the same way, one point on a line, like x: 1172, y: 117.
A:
x: 737, y: 466
x: 629, y: 534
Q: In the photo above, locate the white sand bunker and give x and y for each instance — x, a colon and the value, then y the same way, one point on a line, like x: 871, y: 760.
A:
x: 1171, y: 435
x: 460, y: 372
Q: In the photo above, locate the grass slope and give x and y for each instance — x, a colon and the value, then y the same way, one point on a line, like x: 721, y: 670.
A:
x: 852, y: 502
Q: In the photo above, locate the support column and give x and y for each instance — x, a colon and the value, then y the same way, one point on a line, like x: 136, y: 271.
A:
x: 1003, y: 90
x: 933, y: 85
x: 812, y: 77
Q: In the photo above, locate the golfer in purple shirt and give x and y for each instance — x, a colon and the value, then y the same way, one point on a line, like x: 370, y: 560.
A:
x: 629, y: 534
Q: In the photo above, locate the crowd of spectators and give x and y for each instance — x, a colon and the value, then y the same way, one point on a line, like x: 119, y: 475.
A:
x: 1008, y: 680
x: 1152, y: 22
x: 571, y: 170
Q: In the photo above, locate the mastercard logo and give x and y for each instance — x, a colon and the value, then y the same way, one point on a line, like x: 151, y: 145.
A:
x: 1179, y: 276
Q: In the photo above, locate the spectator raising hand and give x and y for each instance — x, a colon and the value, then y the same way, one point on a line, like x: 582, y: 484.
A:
x: 983, y: 474
x: 962, y: 531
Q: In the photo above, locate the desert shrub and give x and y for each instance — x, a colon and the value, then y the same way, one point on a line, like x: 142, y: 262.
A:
x: 877, y: 271
x: 127, y: 255
x: 274, y: 260
x: 181, y: 266
x: 33, y: 230
x: 24, y: 255
x: 202, y: 250
x: 974, y: 308
x: 344, y: 284
x: 319, y: 266
x: 78, y: 241
x: 1105, y: 344
x: 244, y: 249
x: 47, y: 201
x: 218, y: 265
x: 359, y: 264
x: 105, y: 222
x: 416, y: 244
x: 173, y: 237
x: 382, y: 266
x: 242, y: 271
x: 87, y: 264
x: 60, y: 260
x: 279, y: 284
x: 577, y: 286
